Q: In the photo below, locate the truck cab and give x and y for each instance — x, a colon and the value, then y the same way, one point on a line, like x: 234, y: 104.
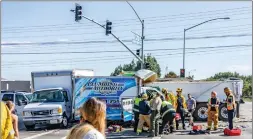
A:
x: 48, y: 106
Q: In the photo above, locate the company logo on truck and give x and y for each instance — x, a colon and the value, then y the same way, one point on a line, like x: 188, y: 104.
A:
x: 105, y: 87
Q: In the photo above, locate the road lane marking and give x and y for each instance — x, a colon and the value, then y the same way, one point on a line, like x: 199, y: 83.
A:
x: 39, y: 135
x: 64, y: 137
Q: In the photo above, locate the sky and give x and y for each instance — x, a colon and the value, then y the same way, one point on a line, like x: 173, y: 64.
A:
x: 49, y: 27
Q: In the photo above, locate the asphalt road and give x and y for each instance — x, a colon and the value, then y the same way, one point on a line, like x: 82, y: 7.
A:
x: 244, y: 122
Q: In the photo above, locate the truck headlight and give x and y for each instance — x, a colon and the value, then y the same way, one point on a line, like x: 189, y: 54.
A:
x: 26, y: 113
x: 57, y: 111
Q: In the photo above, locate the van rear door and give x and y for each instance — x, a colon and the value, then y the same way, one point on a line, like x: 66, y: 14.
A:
x: 127, y: 107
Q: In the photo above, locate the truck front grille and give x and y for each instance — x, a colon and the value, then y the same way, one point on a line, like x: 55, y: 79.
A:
x: 45, y: 112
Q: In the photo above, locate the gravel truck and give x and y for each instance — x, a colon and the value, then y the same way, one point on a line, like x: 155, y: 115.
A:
x: 201, y: 91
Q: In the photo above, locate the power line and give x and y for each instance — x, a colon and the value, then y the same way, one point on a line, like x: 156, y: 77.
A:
x: 154, y: 50
x: 113, y: 59
x: 105, y: 41
x: 176, y: 15
x: 89, y: 28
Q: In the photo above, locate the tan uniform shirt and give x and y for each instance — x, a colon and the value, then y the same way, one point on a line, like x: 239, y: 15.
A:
x: 156, y: 104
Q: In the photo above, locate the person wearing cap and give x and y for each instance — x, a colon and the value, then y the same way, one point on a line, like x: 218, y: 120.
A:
x: 180, y: 107
x: 230, y: 104
x: 168, y: 114
x: 155, y: 105
x: 136, y: 111
x: 213, y: 111
x: 144, y: 111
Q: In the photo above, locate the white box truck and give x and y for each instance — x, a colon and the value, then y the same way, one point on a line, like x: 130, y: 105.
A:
x: 52, y: 99
x: 201, y: 91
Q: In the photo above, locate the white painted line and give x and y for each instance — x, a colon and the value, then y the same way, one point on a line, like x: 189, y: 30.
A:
x: 39, y: 135
x: 64, y: 137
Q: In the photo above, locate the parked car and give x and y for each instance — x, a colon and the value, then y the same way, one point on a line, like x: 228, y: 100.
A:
x: 19, y: 98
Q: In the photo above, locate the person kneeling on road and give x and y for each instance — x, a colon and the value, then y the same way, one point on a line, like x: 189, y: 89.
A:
x: 144, y: 111
x: 168, y: 114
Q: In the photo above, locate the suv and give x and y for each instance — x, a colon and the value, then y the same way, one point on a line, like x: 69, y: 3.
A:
x: 19, y: 98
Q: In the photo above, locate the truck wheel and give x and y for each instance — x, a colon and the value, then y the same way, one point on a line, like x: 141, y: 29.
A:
x: 30, y: 127
x: 65, y: 122
x: 200, y: 112
x: 223, y: 113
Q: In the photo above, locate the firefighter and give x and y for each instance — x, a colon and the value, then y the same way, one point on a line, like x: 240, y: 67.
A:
x: 144, y: 111
x: 180, y: 107
x: 213, y: 111
x: 169, y: 96
x: 168, y: 114
x: 230, y: 104
x: 136, y: 111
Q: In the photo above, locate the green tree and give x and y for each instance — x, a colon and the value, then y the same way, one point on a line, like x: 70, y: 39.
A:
x: 135, y: 66
x: 171, y: 74
x: 247, y: 80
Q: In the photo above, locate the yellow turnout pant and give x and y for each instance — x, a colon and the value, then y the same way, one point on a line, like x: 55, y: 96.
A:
x: 142, y: 120
x: 212, y: 117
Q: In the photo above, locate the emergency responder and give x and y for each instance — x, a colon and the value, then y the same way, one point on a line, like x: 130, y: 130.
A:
x: 230, y: 104
x: 180, y: 107
x: 168, y: 114
x: 7, y: 131
x: 136, y: 111
x: 155, y: 105
x: 213, y: 111
x: 144, y: 111
x: 169, y: 96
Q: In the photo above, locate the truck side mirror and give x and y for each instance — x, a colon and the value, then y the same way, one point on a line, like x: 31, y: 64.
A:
x: 19, y: 103
x: 25, y: 102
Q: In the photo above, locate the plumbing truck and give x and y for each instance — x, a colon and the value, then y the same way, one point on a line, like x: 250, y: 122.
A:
x: 58, y: 95
x: 201, y: 91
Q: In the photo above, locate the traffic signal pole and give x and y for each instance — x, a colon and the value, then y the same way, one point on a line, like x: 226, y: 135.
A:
x: 142, y: 61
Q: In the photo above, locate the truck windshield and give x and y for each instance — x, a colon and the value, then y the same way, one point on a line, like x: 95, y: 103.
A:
x: 47, y: 96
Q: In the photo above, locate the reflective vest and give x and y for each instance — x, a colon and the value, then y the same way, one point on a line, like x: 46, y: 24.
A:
x: 136, y: 104
x: 230, y: 105
x: 213, y: 102
x: 166, y: 107
x: 6, y: 123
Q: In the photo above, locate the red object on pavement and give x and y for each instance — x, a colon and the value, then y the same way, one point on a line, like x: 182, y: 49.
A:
x: 233, y: 132
x: 177, y: 116
x: 197, y: 127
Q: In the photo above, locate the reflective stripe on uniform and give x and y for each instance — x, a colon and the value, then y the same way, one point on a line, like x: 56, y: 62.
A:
x: 135, y: 110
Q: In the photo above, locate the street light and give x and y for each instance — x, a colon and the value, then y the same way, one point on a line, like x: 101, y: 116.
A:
x: 142, y: 34
x: 194, y: 27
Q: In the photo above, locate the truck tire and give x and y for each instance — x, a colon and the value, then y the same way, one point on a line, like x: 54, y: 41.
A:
x: 65, y: 121
x: 223, y: 114
x: 200, y: 113
x: 30, y: 127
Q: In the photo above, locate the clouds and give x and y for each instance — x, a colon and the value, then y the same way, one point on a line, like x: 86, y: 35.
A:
x: 242, y: 69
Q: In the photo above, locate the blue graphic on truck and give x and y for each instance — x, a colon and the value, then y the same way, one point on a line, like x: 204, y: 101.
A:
x: 107, y: 89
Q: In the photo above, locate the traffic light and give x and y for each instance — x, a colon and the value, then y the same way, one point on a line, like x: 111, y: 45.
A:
x: 182, y: 73
x: 147, y: 65
x: 138, y: 52
x: 78, y: 13
x: 108, y: 28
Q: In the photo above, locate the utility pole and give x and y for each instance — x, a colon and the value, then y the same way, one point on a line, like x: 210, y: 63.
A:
x: 142, y: 35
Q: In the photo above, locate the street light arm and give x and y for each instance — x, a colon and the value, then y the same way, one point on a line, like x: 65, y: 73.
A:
x: 135, y: 12
x: 116, y: 39
x: 205, y: 22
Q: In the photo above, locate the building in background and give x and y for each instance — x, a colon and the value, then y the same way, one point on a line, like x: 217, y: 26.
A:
x: 15, y: 85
